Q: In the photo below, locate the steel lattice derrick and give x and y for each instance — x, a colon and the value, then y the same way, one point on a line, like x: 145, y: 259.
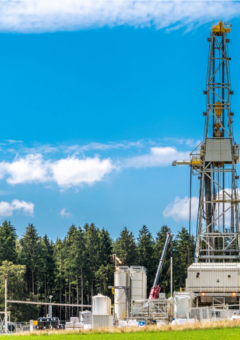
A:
x: 215, y: 200
x: 214, y: 161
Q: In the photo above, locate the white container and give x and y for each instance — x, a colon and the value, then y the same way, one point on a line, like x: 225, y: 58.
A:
x: 74, y: 319
x: 121, y: 278
x: 183, y: 321
x: 132, y: 323
x: 87, y: 326
x: 123, y: 323
x: 69, y: 325
x: 78, y: 325
x: 101, y: 305
x: 86, y: 317
x: 182, y: 302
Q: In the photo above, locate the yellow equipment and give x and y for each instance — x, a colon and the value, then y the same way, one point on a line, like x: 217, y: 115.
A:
x: 218, y: 107
x: 220, y: 29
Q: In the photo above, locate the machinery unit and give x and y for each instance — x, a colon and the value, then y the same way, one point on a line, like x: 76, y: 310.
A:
x: 156, y: 306
x: 215, y: 271
x: 213, y: 277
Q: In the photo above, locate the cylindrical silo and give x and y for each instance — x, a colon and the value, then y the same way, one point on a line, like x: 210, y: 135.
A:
x: 138, y: 277
x: 121, y: 278
x: 101, y: 305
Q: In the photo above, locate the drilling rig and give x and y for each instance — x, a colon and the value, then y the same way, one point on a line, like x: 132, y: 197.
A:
x: 215, y: 273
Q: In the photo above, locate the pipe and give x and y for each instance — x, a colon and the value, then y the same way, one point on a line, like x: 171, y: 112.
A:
x: 48, y: 303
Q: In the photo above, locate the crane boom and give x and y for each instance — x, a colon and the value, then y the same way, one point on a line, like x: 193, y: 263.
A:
x: 154, y: 293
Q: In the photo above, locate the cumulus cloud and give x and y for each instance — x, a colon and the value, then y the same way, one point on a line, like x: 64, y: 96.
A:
x: 73, y: 171
x: 66, y: 172
x: 6, y: 208
x: 179, y: 209
x: 63, y: 213
x: 54, y: 15
x: 158, y: 156
x: 31, y: 168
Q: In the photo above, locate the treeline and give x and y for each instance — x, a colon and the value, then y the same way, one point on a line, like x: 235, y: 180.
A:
x: 81, y: 265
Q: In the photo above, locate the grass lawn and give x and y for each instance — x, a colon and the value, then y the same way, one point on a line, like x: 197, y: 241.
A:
x: 199, y: 334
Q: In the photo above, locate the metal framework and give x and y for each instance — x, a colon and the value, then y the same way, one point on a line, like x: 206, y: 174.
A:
x: 156, y: 309
x: 214, y: 162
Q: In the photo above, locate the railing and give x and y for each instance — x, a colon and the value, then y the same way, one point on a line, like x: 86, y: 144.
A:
x: 213, y: 313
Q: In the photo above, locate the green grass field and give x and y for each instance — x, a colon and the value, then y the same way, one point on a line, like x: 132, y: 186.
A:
x: 202, y: 334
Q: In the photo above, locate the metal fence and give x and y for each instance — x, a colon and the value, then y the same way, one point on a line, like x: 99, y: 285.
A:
x: 205, y: 314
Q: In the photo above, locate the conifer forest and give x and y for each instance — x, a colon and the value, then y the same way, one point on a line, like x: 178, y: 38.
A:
x: 81, y: 265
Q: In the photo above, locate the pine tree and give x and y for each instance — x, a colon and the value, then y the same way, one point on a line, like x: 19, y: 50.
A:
x: 45, y: 272
x: 180, y: 257
x: 92, y: 246
x: 126, y: 249
x: 8, y: 239
x: 146, y: 251
x: 106, y: 248
x: 70, y: 252
x: 59, y: 271
x: 29, y: 256
x: 104, y: 277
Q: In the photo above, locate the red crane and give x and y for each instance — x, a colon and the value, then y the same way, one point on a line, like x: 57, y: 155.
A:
x: 155, y: 290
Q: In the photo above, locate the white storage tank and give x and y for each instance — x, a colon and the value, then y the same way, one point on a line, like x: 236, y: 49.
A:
x: 101, y: 305
x: 138, y: 276
x: 121, y: 278
x: 182, y: 302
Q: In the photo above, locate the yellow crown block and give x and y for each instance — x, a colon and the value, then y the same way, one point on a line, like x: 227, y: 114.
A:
x: 219, y: 29
x: 218, y: 107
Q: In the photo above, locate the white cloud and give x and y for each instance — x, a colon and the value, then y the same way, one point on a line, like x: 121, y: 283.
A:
x: 183, y: 141
x: 13, y: 141
x: 158, y: 156
x: 31, y: 168
x: 101, y: 147
x: 6, y: 208
x: 179, y: 209
x: 66, y: 172
x: 54, y: 15
x: 64, y: 213
x: 73, y: 171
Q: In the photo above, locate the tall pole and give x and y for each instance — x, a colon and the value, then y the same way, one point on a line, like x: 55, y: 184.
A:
x: 171, y: 275
x: 6, y: 325
x: 50, y: 306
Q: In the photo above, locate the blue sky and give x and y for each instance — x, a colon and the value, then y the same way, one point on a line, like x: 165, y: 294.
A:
x: 96, y: 106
